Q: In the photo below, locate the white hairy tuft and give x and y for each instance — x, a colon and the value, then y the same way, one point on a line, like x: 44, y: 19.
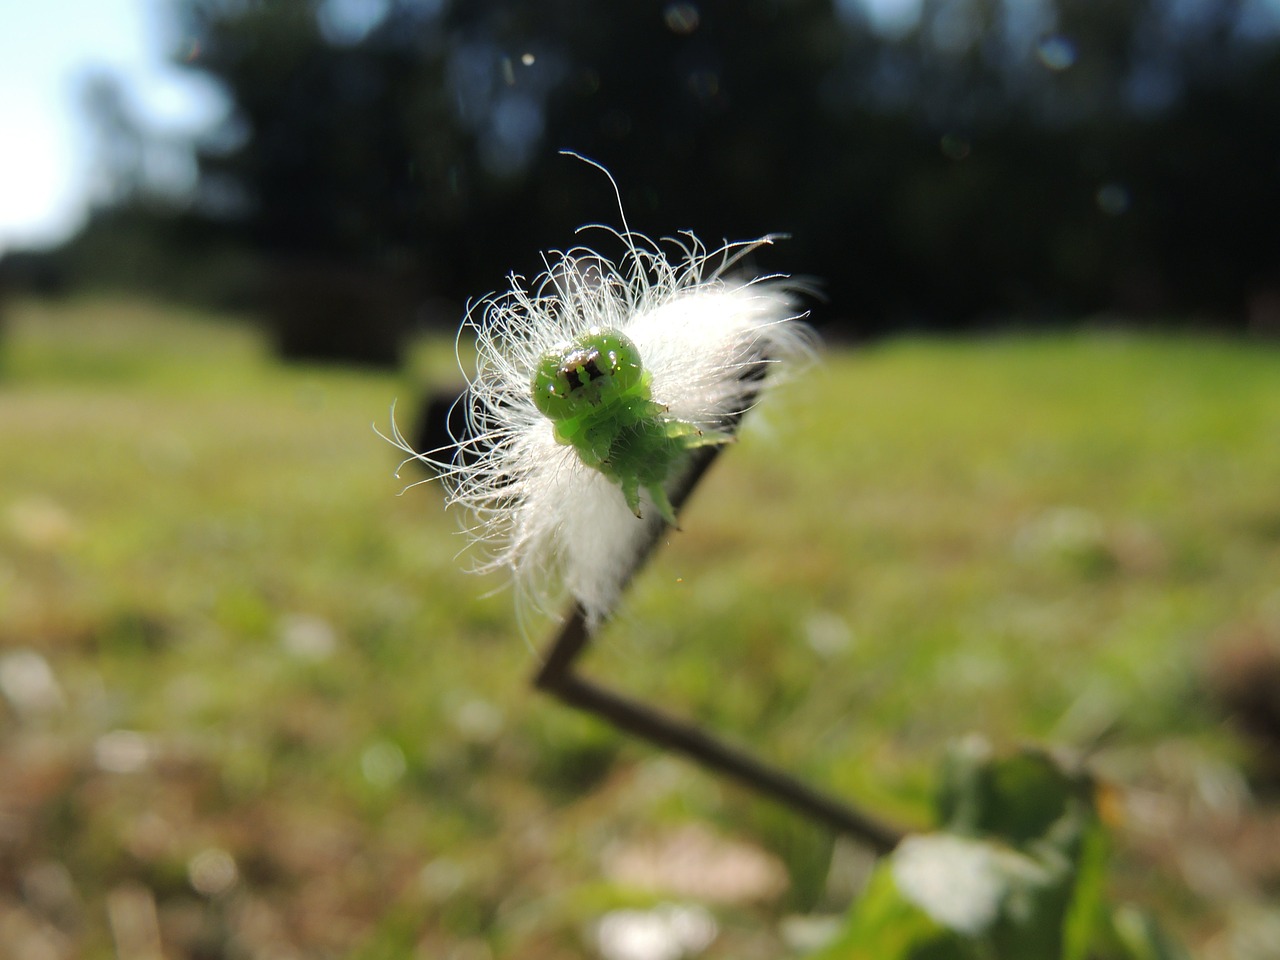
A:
x: 533, y: 507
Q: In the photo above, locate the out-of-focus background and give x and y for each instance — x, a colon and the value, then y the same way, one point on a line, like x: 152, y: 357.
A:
x: 938, y: 165
x: 251, y: 707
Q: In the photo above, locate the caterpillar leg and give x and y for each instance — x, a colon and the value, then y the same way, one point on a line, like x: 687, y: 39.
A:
x: 707, y: 438
x: 631, y: 493
x: 660, y: 500
x: 690, y: 435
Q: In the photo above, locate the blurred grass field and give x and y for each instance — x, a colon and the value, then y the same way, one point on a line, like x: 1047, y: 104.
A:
x: 252, y: 706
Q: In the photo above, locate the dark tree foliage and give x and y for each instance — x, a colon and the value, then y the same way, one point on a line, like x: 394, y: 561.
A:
x: 991, y: 159
x: 324, y: 168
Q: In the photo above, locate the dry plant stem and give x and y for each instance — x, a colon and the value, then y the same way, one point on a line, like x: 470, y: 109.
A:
x: 557, y: 677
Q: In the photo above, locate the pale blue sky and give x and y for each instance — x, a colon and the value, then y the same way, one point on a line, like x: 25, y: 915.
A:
x: 44, y: 47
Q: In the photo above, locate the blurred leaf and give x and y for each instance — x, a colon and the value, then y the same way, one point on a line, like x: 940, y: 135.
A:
x: 1138, y: 936
x: 1019, y: 875
x: 1016, y: 798
x: 885, y: 926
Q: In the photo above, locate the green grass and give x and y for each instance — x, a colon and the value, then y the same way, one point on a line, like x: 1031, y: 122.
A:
x: 1030, y: 538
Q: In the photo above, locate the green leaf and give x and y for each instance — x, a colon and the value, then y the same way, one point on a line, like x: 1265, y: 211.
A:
x: 887, y: 926
x: 1018, y: 875
x: 1017, y: 798
x: 1137, y: 935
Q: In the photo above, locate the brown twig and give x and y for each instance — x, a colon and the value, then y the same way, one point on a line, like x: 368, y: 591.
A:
x: 557, y: 677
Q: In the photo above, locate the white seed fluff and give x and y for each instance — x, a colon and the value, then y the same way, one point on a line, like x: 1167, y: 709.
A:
x: 533, y: 507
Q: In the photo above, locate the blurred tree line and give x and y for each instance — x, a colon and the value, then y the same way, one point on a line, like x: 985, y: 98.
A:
x: 964, y: 162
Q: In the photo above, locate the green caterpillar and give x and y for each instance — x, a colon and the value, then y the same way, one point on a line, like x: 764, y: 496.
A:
x: 595, y: 390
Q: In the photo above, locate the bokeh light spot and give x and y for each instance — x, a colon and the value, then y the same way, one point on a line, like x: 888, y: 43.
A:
x: 1056, y: 52
x: 681, y: 18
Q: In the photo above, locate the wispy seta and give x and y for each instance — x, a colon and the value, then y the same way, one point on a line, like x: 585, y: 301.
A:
x: 592, y: 386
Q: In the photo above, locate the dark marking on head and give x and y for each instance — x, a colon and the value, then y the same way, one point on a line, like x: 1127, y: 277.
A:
x: 578, y: 363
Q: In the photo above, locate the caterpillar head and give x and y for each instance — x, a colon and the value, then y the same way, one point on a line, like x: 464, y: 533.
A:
x: 585, y: 374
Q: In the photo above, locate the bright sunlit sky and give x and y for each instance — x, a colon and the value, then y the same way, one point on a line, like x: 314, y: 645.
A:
x: 44, y: 47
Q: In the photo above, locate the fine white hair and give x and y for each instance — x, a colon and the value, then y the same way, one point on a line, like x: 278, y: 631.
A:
x: 532, y: 506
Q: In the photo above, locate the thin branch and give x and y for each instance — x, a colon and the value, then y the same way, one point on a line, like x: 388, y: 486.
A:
x: 557, y: 677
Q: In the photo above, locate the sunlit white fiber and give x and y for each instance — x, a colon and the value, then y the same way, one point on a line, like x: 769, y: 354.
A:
x: 533, y: 507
